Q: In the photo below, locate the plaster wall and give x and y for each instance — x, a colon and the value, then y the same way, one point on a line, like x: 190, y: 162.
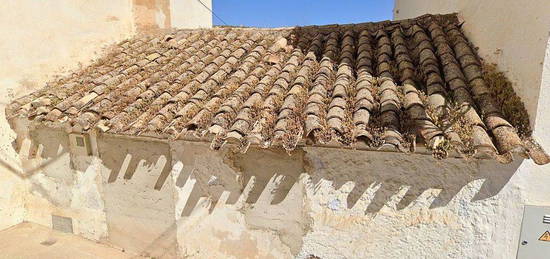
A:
x: 13, y: 187
x: 229, y: 206
x: 512, y: 34
x: 61, y: 183
x: 345, y: 204
x: 38, y: 41
x: 120, y: 195
x: 166, y: 14
x: 191, y: 13
x: 182, y: 199
x: 139, y: 207
x: 41, y: 39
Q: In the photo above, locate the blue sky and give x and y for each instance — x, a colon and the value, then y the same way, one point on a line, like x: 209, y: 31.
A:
x: 280, y: 13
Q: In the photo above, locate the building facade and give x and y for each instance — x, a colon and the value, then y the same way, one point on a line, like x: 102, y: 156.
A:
x: 176, y: 197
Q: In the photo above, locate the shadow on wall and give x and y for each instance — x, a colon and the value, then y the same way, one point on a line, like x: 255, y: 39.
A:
x: 260, y: 168
x: 139, y: 200
x: 45, y: 153
x: 140, y: 178
x: 123, y: 157
x: 385, y: 175
x: 274, y: 173
x: 279, y: 189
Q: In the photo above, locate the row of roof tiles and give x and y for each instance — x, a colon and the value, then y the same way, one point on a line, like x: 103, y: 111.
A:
x: 385, y: 84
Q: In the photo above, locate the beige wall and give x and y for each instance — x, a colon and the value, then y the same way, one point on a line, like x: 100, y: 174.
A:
x: 42, y: 38
x: 139, y: 208
x: 166, y: 14
x: 513, y: 34
x: 63, y: 184
x: 543, y: 112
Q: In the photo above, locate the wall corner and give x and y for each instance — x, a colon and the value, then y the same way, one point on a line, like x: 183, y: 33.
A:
x: 154, y: 15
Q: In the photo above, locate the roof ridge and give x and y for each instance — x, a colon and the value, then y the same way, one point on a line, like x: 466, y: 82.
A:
x: 439, y: 17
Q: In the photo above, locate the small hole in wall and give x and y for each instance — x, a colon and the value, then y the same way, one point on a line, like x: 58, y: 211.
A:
x: 79, y: 141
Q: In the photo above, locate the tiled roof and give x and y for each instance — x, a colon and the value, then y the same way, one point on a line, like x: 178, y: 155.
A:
x: 381, y: 85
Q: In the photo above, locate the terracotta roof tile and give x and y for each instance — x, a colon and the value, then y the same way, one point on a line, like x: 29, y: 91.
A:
x: 386, y: 85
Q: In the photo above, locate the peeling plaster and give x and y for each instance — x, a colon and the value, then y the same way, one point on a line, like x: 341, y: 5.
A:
x: 314, y: 202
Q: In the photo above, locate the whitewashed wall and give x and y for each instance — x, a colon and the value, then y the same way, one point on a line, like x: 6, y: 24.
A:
x: 182, y: 199
x: 347, y: 204
x: 64, y: 185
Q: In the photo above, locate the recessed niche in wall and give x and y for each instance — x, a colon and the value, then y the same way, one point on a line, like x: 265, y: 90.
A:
x: 63, y: 224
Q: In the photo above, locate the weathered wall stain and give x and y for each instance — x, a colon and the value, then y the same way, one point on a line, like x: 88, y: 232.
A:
x: 152, y: 14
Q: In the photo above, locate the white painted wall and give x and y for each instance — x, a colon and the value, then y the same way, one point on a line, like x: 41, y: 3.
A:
x: 68, y: 185
x: 347, y: 204
x: 140, y: 218
x: 266, y: 204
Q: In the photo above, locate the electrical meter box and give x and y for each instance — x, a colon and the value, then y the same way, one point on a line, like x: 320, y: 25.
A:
x: 534, y: 240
